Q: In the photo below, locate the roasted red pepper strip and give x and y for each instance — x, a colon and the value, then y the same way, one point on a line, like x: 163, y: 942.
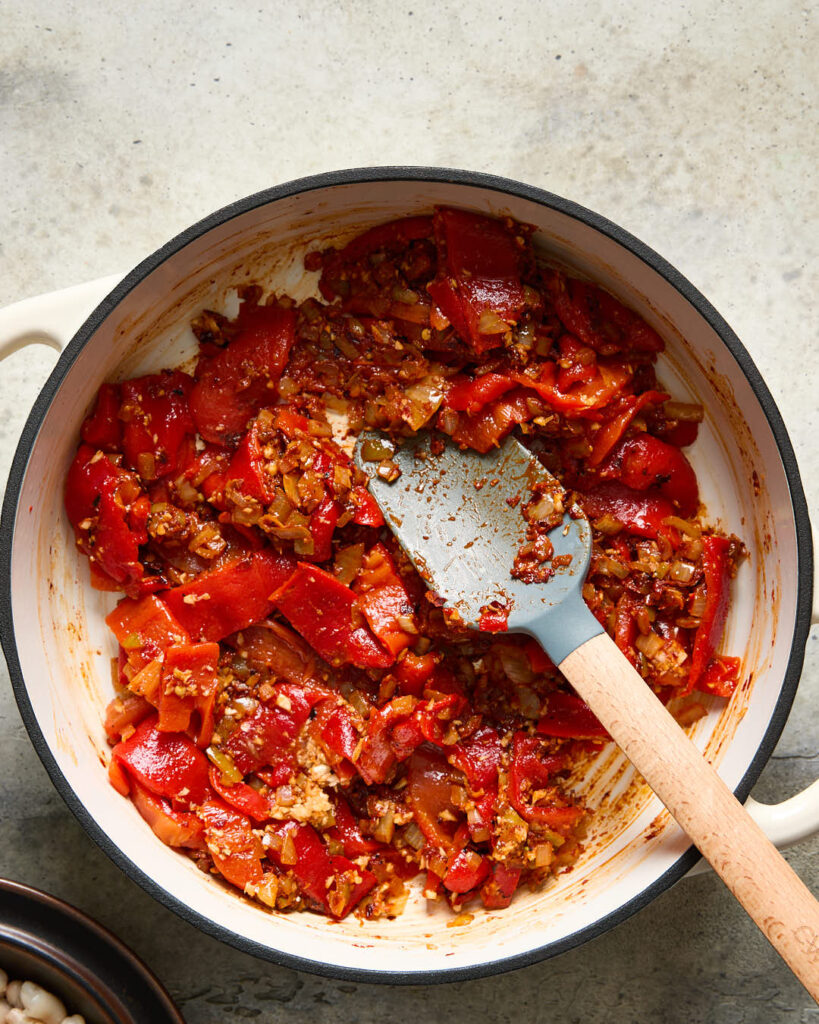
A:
x: 189, y: 684
x: 145, y: 628
x: 646, y: 462
x: 431, y: 778
x: 497, y: 891
x: 385, y: 601
x: 347, y: 831
x: 569, y: 716
x: 248, y: 467
x: 717, y: 568
x: 322, y: 609
x: 531, y: 769
x: 642, y: 514
x: 240, y: 796
x: 335, y: 884
x: 626, y: 409
x: 236, y: 851
x: 489, y: 427
x: 466, y: 870
x: 322, y: 526
x: 168, y: 764
x: 389, y: 237
x: 103, y: 428
x: 478, y: 275
x: 597, y: 318
x: 720, y: 677
x: 174, y: 828
x: 156, y: 421
x: 234, y: 383
x: 470, y: 395
x: 224, y: 600
x: 108, y: 510
x: 367, y: 512
x: 610, y: 379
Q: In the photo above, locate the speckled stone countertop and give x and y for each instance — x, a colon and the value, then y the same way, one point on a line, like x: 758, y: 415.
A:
x: 691, y: 124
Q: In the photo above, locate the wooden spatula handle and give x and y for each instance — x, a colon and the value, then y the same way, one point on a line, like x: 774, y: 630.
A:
x: 738, y: 850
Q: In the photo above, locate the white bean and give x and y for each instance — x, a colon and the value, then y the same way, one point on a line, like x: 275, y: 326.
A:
x: 42, y: 1005
x: 4, y: 980
x: 13, y: 993
x: 18, y: 1016
x: 75, y: 1018
x: 4, y: 1011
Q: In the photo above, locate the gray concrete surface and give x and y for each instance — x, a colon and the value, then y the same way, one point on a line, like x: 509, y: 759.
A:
x: 691, y: 124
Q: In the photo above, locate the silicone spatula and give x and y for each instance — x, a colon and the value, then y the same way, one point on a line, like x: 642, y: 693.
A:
x: 458, y: 517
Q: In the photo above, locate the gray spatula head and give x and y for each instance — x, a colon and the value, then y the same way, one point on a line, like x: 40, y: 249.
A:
x: 457, y: 514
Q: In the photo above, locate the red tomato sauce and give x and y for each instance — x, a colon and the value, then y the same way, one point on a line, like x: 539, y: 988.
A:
x: 294, y: 710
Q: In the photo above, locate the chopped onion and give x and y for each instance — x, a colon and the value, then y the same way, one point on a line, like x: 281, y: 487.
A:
x: 385, y: 828
x: 348, y: 562
x: 224, y: 762
x: 544, y: 854
x: 611, y: 567
x: 376, y: 451
x: 681, y: 572
x: 414, y: 836
x: 684, y: 526
x: 515, y: 664
x: 685, y: 412
x: 650, y: 645
x: 697, y: 609
x: 608, y: 525
x: 490, y: 323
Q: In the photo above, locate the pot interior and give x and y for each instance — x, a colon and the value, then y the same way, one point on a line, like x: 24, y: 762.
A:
x: 65, y: 649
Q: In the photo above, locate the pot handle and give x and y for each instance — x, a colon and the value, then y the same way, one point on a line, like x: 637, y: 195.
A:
x: 51, y: 319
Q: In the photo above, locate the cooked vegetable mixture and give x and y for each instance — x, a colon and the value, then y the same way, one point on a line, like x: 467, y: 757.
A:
x: 293, y: 708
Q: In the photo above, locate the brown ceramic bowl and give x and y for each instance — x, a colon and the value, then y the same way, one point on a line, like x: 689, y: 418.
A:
x: 45, y: 940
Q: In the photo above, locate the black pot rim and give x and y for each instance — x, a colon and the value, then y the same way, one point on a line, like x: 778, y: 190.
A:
x: 351, y: 176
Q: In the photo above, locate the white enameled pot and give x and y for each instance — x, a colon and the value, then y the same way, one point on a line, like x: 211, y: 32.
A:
x: 59, y: 651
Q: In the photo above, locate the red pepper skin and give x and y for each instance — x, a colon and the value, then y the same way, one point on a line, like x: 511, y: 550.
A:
x: 538, y: 658
x: 128, y: 709
x: 236, y: 851
x: 231, y: 596
x: 103, y: 428
x: 569, y: 716
x: 174, y: 828
x: 478, y: 272
x: 165, y: 763
x: 646, y: 462
x: 317, y: 873
x: 627, y: 408
x: 640, y: 513
x: 157, y: 420
x: 470, y: 395
x: 148, y: 621
x: 108, y: 510
x: 240, y: 796
x: 497, y: 891
x: 254, y: 359
x: 335, y: 729
x: 367, y: 512
x: 720, y: 677
x: 479, y: 758
x: 321, y: 609
x: 717, y: 567
x: 193, y: 668
x: 464, y: 876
